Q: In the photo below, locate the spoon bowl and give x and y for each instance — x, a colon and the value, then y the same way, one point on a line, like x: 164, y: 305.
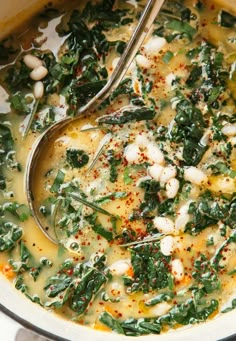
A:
x: 149, y: 14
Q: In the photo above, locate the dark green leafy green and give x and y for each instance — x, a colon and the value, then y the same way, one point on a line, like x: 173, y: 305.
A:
x: 113, y: 161
x: 58, y: 181
x: 220, y: 254
x: 151, y: 189
x: 204, y: 213
x: 159, y: 298
x: 27, y: 264
x: 182, y: 27
x: 98, y: 228
x: 150, y: 268
x: 185, y: 313
x: 136, y: 115
x: 174, y: 22
x: 104, y: 13
x: 18, y: 76
x: 205, y: 275
x: 124, y: 88
x: 111, y: 323
x: 207, y: 76
x: 90, y: 204
x: 19, y: 103
x: 7, y: 147
x: 227, y: 19
x: 82, y: 93
x: 76, y: 158
x: 19, y: 211
x: 111, y: 196
x: 189, y: 129
x: 9, y: 235
x: 76, y: 284
x: 44, y: 118
x: 221, y: 168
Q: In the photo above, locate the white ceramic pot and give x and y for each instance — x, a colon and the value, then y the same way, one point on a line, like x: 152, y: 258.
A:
x: 47, y: 323
x: 50, y: 325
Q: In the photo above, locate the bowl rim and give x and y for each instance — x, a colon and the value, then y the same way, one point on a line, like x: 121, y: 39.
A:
x: 50, y: 325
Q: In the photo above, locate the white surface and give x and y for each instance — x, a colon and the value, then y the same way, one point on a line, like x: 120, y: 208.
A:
x: 34, y: 314
x: 8, y: 327
x: 13, y: 331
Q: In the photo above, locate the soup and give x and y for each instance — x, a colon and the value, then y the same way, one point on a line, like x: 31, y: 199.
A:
x: 139, y: 195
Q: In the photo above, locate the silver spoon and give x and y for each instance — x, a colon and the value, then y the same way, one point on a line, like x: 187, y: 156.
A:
x: 149, y: 14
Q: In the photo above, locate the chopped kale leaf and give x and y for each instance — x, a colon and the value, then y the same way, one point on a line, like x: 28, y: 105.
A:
x: 221, y: 168
x: 204, y: 213
x: 181, y: 314
x: 205, y: 275
x: 113, y: 162
x: 140, y: 114
x: 227, y: 19
x: 76, y: 158
x: 150, y: 267
x: 151, y: 200
x: 9, y: 235
x: 19, y: 103
x: 181, y: 27
x: 98, y: 228
x: 76, y: 284
x: 59, y: 179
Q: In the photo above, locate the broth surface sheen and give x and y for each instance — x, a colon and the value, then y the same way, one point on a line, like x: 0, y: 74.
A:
x: 140, y: 194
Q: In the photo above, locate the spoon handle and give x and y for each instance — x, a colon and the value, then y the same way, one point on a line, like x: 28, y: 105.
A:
x: 148, y: 16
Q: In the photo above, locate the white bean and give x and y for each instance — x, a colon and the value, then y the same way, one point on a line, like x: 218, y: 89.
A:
x: 120, y: 267
x: 167, y: 245
x: 143, y: 61
x: 172, y: 187
x: 141, y: 140
x: 160, y: 309
x: 155, y: 44
x: 132, y: 153
x: 170, y: 78
x: 31, y: 61
x: 182, y: 217
x: 38, y: 73
x: 195, y: 175
x: 229, y: 129
x: 155, y: 171
x: 164, y: 225
x: 38, y: 90
x: 181, y: 221
x: 168, y: 173
x: 155, y: 154
x: 205, y: 139
x: 177, y: 269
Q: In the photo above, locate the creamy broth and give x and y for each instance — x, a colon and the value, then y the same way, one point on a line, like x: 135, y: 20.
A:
x: 140, y: 194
